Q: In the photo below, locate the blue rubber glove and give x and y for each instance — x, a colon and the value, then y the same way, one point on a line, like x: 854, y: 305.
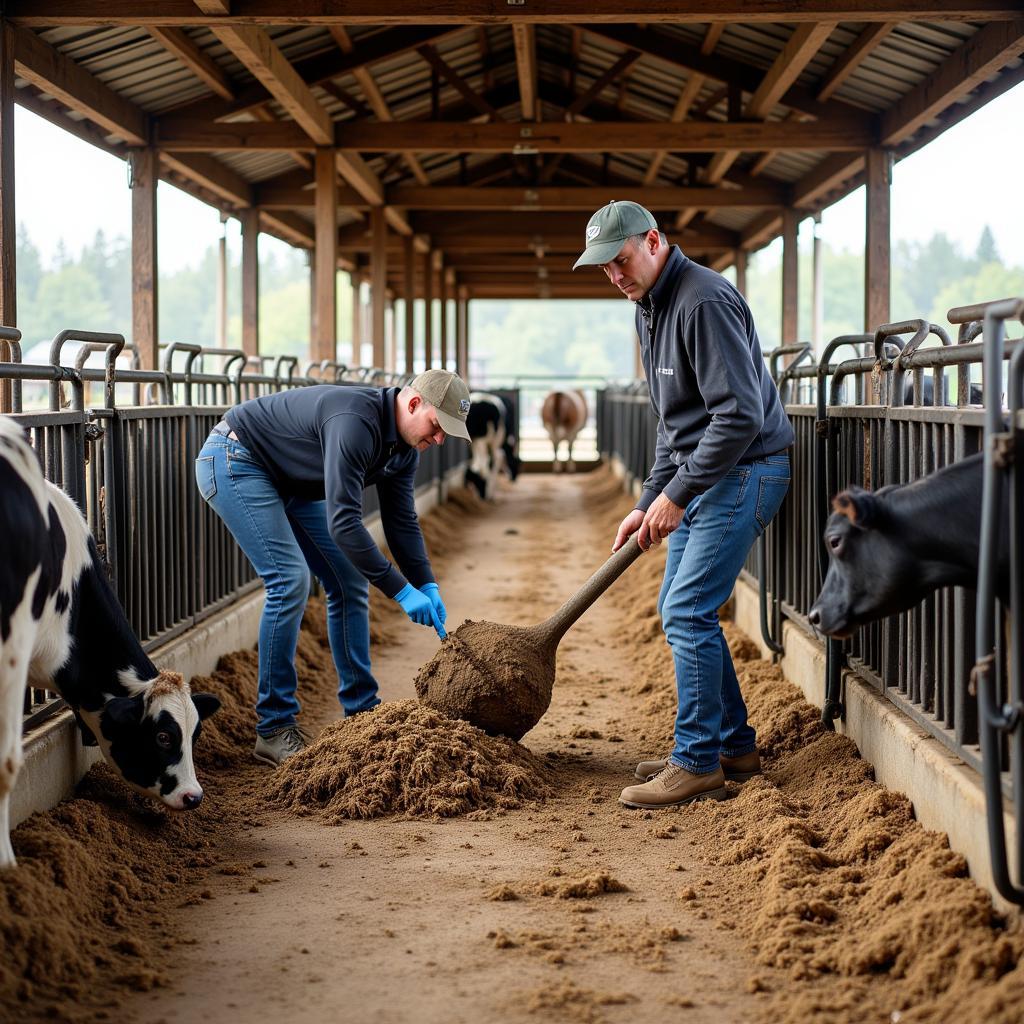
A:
x: 419, y: 608
x: 430, y: 589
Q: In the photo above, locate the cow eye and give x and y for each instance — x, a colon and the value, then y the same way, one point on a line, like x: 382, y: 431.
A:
x: 835, y: 542
x: 163, y: 739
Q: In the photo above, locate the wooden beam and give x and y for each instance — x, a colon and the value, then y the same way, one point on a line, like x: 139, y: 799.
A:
x: 218, y: 8
x: 261, y: 55
x: 579, y: 198
x: 294, y: 230
x: 197, y: 60
x: 526, y: 68
x: 145, y: 320
x: 853, y: 56
x: 636, y: 137
x: 50, y: 13
x: 48, y: 69
x: 980, y: 57
x: 461, y: 86
x: 731, y: 72
x: 877, y: 259
x: 250, y: 281
x: 211, y: 174
x: 324, y: 343
x: 358, y: 173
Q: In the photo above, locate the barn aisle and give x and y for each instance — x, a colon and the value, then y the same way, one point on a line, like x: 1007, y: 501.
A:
x: 391, y: 920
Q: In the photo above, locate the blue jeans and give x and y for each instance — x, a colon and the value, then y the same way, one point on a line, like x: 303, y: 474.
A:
x: 705, y: 556
x: 285, y: 538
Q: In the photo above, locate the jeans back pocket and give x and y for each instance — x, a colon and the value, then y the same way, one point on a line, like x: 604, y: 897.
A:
x: 771, y: 492
x: 206, y: 477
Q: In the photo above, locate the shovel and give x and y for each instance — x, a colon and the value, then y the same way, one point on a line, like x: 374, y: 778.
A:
x: 499, y: 678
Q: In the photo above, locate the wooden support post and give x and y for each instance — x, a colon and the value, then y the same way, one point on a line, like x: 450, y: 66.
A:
x: 250, y: 281
x: 8, y: 225
x: 410, y: 302
x: 444, y: 356
x: 741, y: 271
x: 324, y: 343
x: 221, y: 314
x: 145, y: 168
x: 790, y: 289
x: 428, y: 309
x: 357, y: 321
x: 818, y: 290
x: 378, y: 281
x: 460, y: 331
x: 877, y: 263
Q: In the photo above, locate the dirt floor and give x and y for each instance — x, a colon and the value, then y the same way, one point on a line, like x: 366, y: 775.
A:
x: 811, y: 895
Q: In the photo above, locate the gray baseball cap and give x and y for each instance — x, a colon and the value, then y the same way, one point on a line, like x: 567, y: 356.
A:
x: 609, y: 228
x: 448, y: 394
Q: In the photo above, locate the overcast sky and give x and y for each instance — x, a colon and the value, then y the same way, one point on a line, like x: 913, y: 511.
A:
x: 969, y: 177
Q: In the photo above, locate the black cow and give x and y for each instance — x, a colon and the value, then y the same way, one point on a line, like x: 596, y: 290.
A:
x: 492, y: 434
x: 888, y: 549
x: 61, y: 628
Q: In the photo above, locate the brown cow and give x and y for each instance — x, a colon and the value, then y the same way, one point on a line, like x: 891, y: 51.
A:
x: 564, y: 414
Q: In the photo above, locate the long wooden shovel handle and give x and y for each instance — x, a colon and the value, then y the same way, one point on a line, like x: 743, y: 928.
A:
x: 554, y: 628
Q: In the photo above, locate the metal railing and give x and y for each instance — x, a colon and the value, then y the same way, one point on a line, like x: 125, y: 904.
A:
x: 890, y: 412
x: 127, y: 461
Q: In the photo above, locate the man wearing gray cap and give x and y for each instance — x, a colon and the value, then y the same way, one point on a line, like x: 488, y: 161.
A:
x: 286, y: 473
x: 720, y: 473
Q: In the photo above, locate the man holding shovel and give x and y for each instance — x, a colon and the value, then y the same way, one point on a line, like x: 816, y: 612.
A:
x: 720, y: 473
x: 286, y: 473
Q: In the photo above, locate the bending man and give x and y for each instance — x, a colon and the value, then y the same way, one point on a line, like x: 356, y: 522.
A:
x: 286, y: 473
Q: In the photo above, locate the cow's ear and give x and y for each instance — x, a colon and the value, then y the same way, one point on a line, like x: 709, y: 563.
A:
x: 206, y: 704
x: 861, y: 507
x: 123, y: 711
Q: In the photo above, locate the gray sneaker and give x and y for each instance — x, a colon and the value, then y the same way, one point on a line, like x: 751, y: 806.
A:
x: 280, y: 745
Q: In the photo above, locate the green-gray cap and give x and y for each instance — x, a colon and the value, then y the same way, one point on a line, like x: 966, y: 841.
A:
x: 448, y: 394
x: 609, y: 228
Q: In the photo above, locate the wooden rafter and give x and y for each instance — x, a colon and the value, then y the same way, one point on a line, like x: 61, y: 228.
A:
x: 985, y: 53
x: 261, y: 55
x: 526, y: 68
x: 48, y: 69
x: 197, y: 60
x: 461, y: 86
x: 375, y: 98
x: 211, y: 174
x: 549, y: 137
x: 689, y: 93
x: 853, y: 56
x: 620, y: 67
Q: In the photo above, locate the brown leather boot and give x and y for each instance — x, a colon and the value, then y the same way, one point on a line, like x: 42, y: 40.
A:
x: 737, y: 769
x: 674, y: 786
x: 742, y: 768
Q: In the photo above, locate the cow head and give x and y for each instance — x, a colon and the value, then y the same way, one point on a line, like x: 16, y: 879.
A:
x: 872, y: 571
x: 148, y: 738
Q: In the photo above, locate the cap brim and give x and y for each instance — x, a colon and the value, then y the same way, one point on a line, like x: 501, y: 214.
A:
x: 598, y: 255
x: 451, y: 425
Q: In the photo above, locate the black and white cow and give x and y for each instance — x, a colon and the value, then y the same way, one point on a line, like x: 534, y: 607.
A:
x: 888, y: 549
x: 61, y: 628
x: 492, y: 435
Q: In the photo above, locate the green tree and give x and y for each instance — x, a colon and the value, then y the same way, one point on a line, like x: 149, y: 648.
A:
x: 70, y: 297
x: 987, y: 252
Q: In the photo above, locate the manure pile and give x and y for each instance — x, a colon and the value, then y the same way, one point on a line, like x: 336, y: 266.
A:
x: 406, y: 759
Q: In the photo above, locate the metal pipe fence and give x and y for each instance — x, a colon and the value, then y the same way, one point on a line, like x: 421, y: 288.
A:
x: 127, y: 461
x: 904, y: 402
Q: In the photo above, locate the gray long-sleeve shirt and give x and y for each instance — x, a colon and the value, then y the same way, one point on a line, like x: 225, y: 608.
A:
x: 331, y: 442
x: 715, y: 401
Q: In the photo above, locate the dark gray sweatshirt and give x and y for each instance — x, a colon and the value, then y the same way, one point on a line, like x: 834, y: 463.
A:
x: 330, y: 442
x: 715, y: 401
